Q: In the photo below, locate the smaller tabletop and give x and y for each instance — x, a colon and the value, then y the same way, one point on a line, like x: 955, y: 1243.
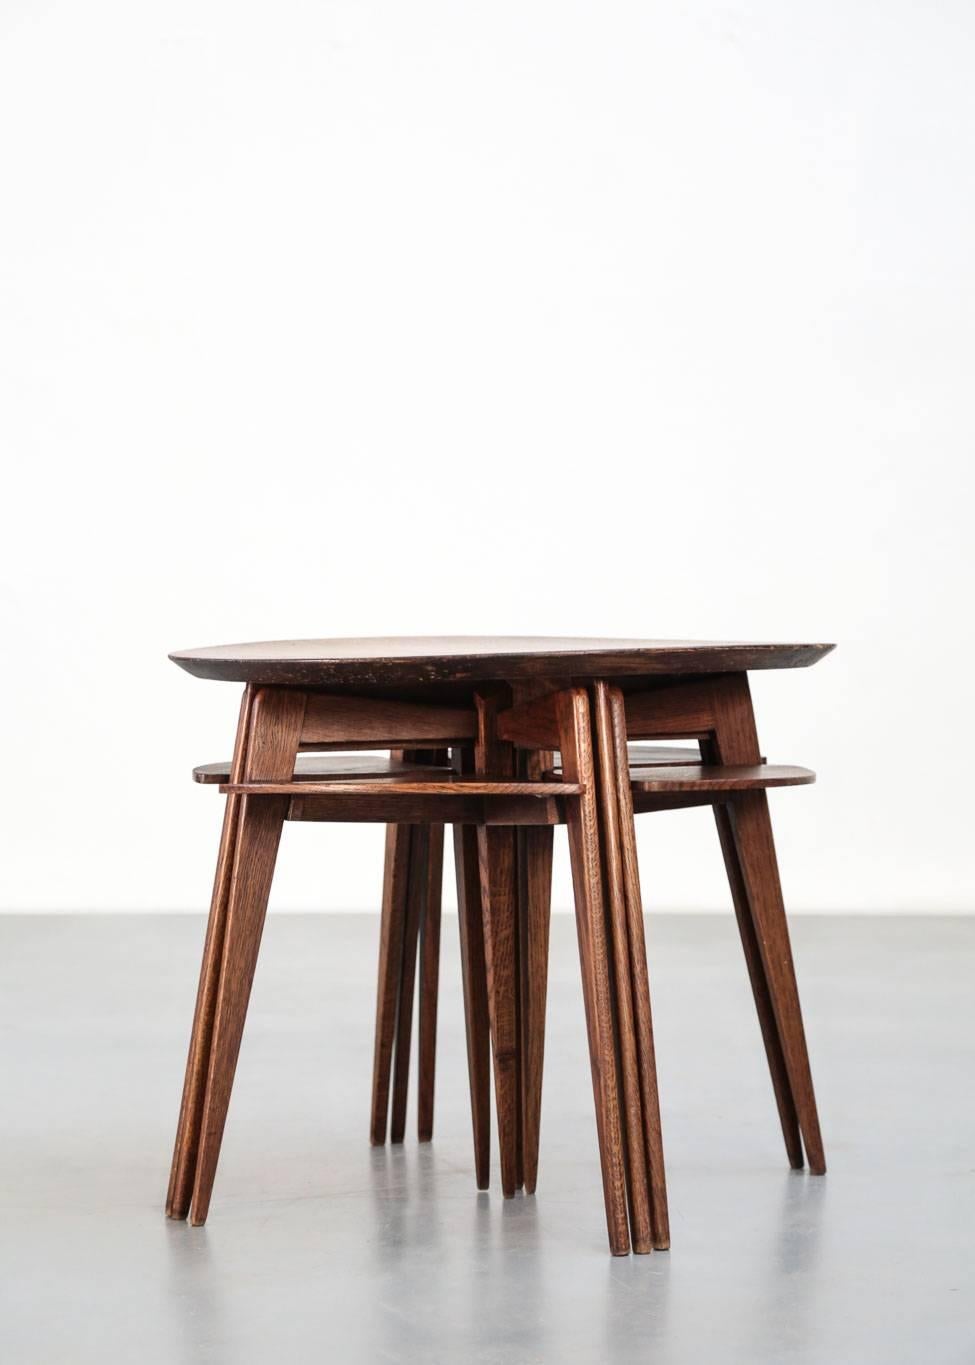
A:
x: 410, y: 661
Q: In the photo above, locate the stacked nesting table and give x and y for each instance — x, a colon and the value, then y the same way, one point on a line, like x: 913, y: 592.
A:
x: 503, y: 738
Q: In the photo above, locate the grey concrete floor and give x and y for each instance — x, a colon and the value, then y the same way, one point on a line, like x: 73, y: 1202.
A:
x: 320, y: 1248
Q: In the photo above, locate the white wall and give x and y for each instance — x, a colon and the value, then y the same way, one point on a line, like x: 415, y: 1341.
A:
x: 364, y: 318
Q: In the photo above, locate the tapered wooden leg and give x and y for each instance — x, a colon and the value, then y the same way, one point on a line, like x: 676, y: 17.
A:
x: 499, y: 906
x: 615, y: 893
x: 745, y: 830
x: 392, y: 925
x: 429, y: 983
x: 416, y: 899
x: 393, y: 999
x: 275, y: 731
x: 575, y: 743
x: 760, y: 990
x: 534, y: 912
x: 191, y: 1107
x: 638, y: 1069
x: 474, y: 977
x: 534, y: 847
x: 752, y: 834
x: 640, y: 979
x: 429, y: 952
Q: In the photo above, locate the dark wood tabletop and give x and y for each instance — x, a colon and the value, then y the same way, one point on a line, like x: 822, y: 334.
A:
x: 412, y: 661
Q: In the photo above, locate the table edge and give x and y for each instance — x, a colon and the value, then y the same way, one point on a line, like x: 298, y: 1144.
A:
x: 718, y: 658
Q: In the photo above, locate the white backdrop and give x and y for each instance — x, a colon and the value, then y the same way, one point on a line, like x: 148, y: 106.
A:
x: 597, y: 318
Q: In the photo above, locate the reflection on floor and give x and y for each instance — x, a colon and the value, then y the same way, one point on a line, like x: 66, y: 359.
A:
x: 319, y: 1248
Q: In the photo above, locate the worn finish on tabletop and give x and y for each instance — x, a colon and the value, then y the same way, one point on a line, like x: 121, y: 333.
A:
x: 419, y: 660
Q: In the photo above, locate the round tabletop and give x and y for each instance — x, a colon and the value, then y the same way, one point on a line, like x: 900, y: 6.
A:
x: 383, y: 661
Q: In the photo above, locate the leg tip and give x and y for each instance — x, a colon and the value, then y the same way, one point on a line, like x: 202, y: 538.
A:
x: 198, y: 1213
x: 619, y: 1241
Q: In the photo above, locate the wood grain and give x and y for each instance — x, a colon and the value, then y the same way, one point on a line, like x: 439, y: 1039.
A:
x: 474, y: 977
x: 412, y: 786
x: 275, y: 728
x: 392, y: 922
x: 575, y: 744
x: 631, y: 1099
x: 499, y: 906
x: 416, y: 899
x: 729, y: 777
x: 191, y: 1106
x: 382, y: 722
x: 760, y: 991
x: 752, y: 834
x: 380, y: 808
x: 531, y: 723
x: 534, y: 849
x: 425, y: 660
x: 534, y: 858
x: 671, y: 689
x: 429, y: 986
x: 640, y: 982
x: 679, y: 709
x: 735, y: 741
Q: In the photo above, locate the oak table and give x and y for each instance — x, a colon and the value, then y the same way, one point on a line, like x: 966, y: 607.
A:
x: 505, y: 702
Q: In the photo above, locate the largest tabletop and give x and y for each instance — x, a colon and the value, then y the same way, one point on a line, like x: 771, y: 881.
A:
x: 410, y: 661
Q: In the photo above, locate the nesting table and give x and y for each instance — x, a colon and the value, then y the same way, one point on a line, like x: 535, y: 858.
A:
x: 502, y: 738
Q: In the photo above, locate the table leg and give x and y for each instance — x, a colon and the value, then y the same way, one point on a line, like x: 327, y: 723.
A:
x: 419, y: 844
x: 413, y: 858
x: 534, y: 911
x: 575, y: 744
x: 760, y: 990
x: 275, y: 732
x: 646, y: 1060
x: 474, y: 978
x: 396, y: 872
x: 752, y: 833
x: 198, y: 1060
x: 429, y: 983
x: 622, y: 979
x: 423, y: 883
x: 754, y: 873
x: 496, y: 846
